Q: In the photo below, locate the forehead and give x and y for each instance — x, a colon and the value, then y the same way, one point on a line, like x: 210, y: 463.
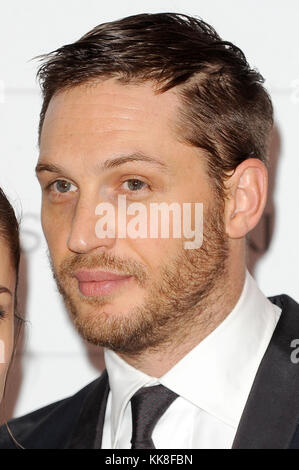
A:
x: 109, y: 109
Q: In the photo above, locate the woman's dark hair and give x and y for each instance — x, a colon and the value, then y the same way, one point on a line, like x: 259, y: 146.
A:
x: 9, y: 230
x: 224, y: 107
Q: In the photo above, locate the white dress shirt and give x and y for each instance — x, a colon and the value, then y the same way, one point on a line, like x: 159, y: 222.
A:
x: 213, y: 381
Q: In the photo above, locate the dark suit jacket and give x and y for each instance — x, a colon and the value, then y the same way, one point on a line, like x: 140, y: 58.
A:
x: 270, y: 419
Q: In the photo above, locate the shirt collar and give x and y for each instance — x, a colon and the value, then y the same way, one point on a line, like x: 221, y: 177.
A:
x: 217, y: 374
x: 225, y: 363
x: 124, y: 381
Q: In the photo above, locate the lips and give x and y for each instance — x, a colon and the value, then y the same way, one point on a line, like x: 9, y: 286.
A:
x: 96, y: 283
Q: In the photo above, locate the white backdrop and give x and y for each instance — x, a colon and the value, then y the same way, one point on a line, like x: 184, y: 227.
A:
x: 53, y: 361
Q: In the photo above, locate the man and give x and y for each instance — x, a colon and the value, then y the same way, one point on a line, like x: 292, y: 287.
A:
x: 150, y: 110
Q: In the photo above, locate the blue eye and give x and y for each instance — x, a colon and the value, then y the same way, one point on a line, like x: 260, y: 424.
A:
x: 63, y: 186
x: 135, y: 184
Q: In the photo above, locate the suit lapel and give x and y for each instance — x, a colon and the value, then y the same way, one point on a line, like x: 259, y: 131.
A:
x: 89, y: 428
x: 271, y: 414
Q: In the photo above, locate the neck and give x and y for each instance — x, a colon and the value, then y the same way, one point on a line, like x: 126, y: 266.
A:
x: 156, y: 362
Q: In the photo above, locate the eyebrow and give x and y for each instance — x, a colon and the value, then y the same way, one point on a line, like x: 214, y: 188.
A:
x: 108, y: 164
x: 5, y: 290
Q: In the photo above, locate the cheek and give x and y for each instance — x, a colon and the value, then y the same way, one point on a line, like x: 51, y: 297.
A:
x: 154, y: 253
x: 47, y: 222
x: 55, y: 228
x: 6, y: 350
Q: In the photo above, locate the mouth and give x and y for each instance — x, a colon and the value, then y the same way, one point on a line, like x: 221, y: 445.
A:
x: 99, y: 283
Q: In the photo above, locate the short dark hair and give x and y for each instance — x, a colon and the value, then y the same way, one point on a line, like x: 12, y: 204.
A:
x: 225, y: 108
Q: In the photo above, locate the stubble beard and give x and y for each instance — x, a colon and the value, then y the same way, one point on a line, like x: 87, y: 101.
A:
x: 174, y: 305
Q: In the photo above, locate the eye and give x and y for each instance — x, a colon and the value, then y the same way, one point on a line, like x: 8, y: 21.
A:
x: 2, y: 314
x: 134, y: 184
x: 62, y: 187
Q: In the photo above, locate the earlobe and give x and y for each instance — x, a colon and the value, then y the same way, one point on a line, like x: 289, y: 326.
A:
x: 248, y: 193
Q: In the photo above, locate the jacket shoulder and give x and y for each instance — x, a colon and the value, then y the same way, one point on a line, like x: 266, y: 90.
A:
x: 285, y: 302
x: 270, y: 419
x: 49, y: 427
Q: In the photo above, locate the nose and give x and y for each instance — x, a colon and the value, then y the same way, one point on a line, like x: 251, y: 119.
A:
x: 84, y: 236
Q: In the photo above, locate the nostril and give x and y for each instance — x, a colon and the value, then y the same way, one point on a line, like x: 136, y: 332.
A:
x: 83, y: 239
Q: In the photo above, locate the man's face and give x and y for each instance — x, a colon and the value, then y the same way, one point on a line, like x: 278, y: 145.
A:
x: 107, y: 139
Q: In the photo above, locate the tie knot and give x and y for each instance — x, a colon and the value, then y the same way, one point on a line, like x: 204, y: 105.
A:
x: 148, y: 405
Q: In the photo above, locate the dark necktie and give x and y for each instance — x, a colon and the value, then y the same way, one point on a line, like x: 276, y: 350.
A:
x: 148, y: 405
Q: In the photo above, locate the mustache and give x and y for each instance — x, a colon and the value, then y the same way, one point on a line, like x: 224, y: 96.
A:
x: 101, y: 261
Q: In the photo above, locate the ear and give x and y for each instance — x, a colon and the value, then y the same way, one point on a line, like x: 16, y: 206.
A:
x: 247, y: 195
